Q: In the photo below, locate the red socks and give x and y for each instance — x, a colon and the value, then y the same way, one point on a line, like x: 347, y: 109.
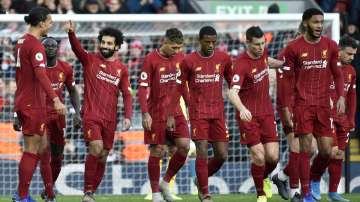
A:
x: 45, y: 170
x: 26, y: 170
x: 90, y: 171
x: 304, y: 172
x: 257, y: 173
x: 55, y: 164
x: 318, y: 167
x: 100, y: 170
x: 293, y: 169
x: 154, y: 173
x: 201, y: 168
x: 334, y: 169
x: 214, y: 165
x: 176, y: 162
x: 269, y: 167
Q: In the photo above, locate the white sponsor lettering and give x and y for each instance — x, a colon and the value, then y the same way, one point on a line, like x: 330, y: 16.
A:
x: 108, y: 78
x: 260, y: 76
x: 207, y: 78
x: 165, y: 78
x: 314, y: 64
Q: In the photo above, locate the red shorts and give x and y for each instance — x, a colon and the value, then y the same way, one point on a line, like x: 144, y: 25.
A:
x: 100, y: 130
x: 159, y: 134
x: 340, y: 133
x: 261, y: 129
x: 287, y: 129
x: 33, y: 121
x: 312, y: 119
x: 55, y: 130
x: 213, y: 130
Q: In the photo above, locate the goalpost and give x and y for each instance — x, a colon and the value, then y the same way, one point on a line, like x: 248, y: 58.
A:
x: 126, y: 168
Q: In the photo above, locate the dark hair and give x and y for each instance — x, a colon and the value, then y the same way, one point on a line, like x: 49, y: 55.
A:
x: 117, y: 34
x: 37, y: 15
x: 308, y: 13
x: 254, y: 31
x: 174, y: 35
x: 207, y: 30
x: 348, y: 41
x: 48, y: 37
x: 273, y: 8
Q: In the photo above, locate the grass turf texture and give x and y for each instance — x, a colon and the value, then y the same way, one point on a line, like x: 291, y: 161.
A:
x: 186, y: 198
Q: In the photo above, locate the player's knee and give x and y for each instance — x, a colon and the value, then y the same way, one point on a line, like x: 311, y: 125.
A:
x: 258, y: 159
x: 183, y: 149
x: 157, y: 150
x: 95, y: 148
x: 272, y: 159
x: 325, y: 153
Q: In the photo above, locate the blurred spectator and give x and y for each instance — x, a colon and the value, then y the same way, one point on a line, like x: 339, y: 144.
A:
x: 116, y: 7
x: 170, y: 7
x: 135, y: 60
x: 92, y: 6
x: 327, y: 5
x: 353, y: 31
x: 65, y: 7
x: 24, y: 6
x: 273, y: 8
x: 5, y: 7
x: 51, y: 5
x: 144, y: 6
x: 354, y: 13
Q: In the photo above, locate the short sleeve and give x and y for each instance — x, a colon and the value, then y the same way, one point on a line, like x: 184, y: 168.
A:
x: 145, y: 73
x: 240, y: 72
x: 38, y: 56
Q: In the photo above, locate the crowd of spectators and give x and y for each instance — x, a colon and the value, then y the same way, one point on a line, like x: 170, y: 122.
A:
x: 97, y: 6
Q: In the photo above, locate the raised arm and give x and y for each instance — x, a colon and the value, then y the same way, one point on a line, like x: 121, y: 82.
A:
x: 79, y: 51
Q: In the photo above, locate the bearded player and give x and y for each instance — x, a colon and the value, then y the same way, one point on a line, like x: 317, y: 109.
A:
x: 104, y: 78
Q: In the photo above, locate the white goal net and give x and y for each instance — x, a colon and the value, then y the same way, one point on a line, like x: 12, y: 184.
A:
x: 126, y: 168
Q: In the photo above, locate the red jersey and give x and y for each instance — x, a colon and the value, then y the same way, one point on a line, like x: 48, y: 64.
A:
x: 349, y: 76
x: 102, y: 81
x: 283, y: 99
x: 205, y: 77
x: 159, y: 73
x: 251, y: 76
x: 30, y: 62
x: 60, y: 75
x: 312, y: 65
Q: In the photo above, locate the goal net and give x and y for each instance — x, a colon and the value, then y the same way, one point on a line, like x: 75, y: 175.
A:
x: 127, y: 163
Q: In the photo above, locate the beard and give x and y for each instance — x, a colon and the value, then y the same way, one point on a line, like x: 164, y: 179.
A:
x: 107, y: 53
x: 312, y: 33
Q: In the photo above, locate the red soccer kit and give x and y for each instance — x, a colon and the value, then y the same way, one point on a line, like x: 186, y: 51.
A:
x: 32, y: 85
x: 60, y: 75
x: 102, y: 81
x: 281, y: 97
x: 205, y: 77
x: 251, y: 76
x: 311, y: 66
x: 344, y: 123
x: 159, y: 74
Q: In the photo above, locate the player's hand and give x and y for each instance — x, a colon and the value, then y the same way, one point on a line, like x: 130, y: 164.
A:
x: 59, y: 106
x: 340, y: 105
x: 69, y: 26
x: 77, y: 121
x: 170, y: 123
x: 245, y: 114
x: 146, y: 121
x: 17, y: 123
x: 126, y: 124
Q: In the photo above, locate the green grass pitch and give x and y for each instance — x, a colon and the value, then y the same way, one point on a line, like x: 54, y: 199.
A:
x: 186, y: 198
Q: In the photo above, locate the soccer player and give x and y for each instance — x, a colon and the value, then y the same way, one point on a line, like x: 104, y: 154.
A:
x: 342, y: 124
x: 311, y: 59
x: 33, y: 86
x: 204, y: 71
x: 104, y: 77
x: 284, y: 106
x: 60, y: 74
x: 249, y: 94
x: 162, y: 117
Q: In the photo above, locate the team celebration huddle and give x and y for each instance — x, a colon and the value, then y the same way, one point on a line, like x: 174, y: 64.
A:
x: 315, y: 101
